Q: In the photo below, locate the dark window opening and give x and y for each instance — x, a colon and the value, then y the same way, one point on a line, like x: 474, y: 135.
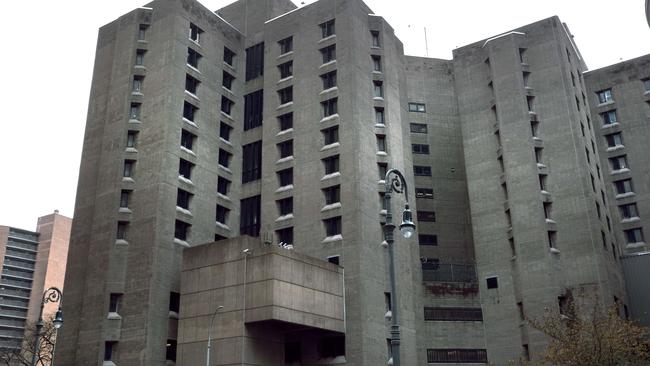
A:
x: 252, y: 162
x: 250, y: 216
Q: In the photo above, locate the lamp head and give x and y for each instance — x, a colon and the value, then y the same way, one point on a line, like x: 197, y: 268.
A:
x: 407, y: 227
x: 58, y: 319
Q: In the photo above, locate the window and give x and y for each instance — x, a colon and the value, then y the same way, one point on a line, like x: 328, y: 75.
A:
x: 125, y: 196
x: 633, y: 235
x: 139, y: 57
x: 285, y: 177
x: 183, y: 199
x: 598, y: 210
x: 375, y: 38
x: 417, y: 107
x: 614, y: 139
x: 195, y: 32
x: 526, y: 76
x: 134, y: 112
x: 228, y: 56
x: 285, y: 206
x: 576, y: 98
x: 181, y: 230
x: 378, y: 90
x: 223, y: 186
x: 427, y: 239
x: 249, y: 223
x: 618, y: 162
x: 251, y: 162
x: 187, y: 139
x: 114, y: 303
x: 379, y: 116
x: 226, y: 80
x: 420, y: 149
x: 447, y: 355
x: 137, y: 84
x: 191, y: 84
x: 285, y: 148
x: 492, y: 282
x: 588, y: 155
x: 628, y: 211
x: 254, y: 61
x: 193, y: 58
x: 332, y: 194
x: 224, y: 131
x: 329, y: 107
x: 623, y: 186
x: 530, y: 103
x: 329, y: 53
x: 423, y: 171
x: 129, y: 166
x: 428, y: 216
x: 332, y: 226
x: 170, y: 352
x: 121, y: 230
x: 603, y: 238
x: 226, y: 105
x: 221, y: 215
x: 285, y: 121
x: 646, y: 84
x: 142, y: 32
x: 286, y: 45
x: 424, y: 193
x: 376, y: 63
x: 453, y: 314
x: 174, y: 302
x: 552, y: 239
x: 189, y: 111
x: 609, y: 117
x: 110, y: 348
x: 542, y: 182
x: 331, y: 164
x: 327, y: 28
x: 185, y: 169
x: 418, y: 128
x: 381, y: 143
x: 522, y: 53
x: 286, y: 95
x: 224, y: 158
x: 329, y: 80
x: 285, y: 236
x: 382, y: 169
x: 330, y: 135
x: 286, y: 69
x: 538, y: 155
x: 605, y: 96
x: 253, y: 109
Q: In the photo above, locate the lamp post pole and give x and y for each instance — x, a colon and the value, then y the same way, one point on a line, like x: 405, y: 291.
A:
x: 207, y: 353
x: 52, y: 294
x: 396, y: 184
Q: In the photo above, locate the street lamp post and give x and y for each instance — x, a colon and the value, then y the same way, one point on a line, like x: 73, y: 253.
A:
x: 395, y: 182
x: 207, y: 353
x: 52, y: 294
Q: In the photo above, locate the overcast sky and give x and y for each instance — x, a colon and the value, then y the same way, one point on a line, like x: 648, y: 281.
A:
x: 49, y: 48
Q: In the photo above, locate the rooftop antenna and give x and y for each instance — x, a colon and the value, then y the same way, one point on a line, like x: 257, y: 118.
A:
x: 426, y: 43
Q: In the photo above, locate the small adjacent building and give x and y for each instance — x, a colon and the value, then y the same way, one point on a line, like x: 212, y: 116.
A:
x: 31, y: 262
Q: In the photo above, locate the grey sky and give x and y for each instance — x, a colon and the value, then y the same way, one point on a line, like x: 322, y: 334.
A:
x: 48, y: 52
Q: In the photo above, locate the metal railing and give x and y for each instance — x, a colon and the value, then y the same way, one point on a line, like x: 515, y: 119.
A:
x: 23, y: 236
x: 20, y: 245
x: 20, y: 255
x: 19, y: 264
x: 17, y: 283
x: 448, y: 272
x: 15, y: 273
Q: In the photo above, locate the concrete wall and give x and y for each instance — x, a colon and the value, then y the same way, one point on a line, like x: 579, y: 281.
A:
x: 267, y: 296
x: 636, y: 268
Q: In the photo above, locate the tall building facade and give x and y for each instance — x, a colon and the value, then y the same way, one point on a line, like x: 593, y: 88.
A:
x: 32, y: 261
x: 279, y: 122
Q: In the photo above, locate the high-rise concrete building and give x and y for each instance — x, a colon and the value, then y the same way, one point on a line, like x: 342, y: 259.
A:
x: 619, y: 96
x: 32, y: 261
x: 279, y: 122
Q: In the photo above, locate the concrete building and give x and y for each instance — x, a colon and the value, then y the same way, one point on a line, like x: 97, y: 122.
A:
x: 32, y: 261
x: 278, y: 122
x: 619, y: 96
